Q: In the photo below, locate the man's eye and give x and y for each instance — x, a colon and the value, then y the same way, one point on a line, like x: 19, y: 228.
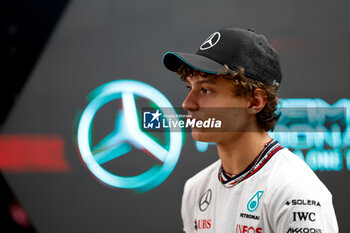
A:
x: 188, y: 87
x: 206, y: 91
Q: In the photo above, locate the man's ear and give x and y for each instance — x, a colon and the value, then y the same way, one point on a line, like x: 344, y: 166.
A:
x: 258, y: 101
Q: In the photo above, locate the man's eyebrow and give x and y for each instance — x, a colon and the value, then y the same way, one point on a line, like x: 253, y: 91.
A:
x: 207, y: 81
x: 211, y: 81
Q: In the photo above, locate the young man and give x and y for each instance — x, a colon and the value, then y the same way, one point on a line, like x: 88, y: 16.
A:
x: 256, y: 186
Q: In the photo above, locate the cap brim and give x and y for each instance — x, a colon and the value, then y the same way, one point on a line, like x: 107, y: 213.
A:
x: 173, y: 60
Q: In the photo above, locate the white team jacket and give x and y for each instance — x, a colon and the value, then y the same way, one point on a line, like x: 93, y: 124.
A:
x: 277, y: 194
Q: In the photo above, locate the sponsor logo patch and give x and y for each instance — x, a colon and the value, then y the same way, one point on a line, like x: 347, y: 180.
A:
x: 247, y: 229
x: 253, y: 203
x: 202, y: 224
x: 249, y: 216
x: 303, y: 202
x: 304, y: 216
x: 205, y: 200
x: 304, y: 230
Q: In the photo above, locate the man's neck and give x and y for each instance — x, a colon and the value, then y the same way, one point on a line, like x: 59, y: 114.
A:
x: 240, y: 151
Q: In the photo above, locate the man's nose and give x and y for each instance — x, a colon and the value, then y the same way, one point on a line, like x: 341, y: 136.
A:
x: 190, y: 103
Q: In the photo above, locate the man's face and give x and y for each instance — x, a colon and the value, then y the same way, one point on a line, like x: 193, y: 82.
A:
x: 213, y: 97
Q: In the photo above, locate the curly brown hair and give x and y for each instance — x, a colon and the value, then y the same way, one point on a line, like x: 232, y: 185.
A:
x: 243, y: 86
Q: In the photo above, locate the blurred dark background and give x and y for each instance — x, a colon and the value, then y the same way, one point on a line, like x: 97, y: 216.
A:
x: 25, y: 28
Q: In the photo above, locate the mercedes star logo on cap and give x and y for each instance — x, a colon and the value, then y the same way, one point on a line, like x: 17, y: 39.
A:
x: 212, y: 40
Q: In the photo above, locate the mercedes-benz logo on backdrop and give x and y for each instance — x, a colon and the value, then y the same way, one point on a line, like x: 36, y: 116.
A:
x: 212, y: 40
x: 205, y: 200
x: 127, y: 132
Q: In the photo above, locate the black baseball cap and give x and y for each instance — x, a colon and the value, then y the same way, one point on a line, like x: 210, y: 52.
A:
x: 234, y: 47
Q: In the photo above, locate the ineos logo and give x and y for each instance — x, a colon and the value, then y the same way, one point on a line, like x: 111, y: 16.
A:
x: 247, y: 229
x: 212, y: 40
x: 205, y: 200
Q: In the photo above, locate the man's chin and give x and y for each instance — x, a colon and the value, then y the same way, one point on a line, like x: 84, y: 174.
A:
x: 204, y: 136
